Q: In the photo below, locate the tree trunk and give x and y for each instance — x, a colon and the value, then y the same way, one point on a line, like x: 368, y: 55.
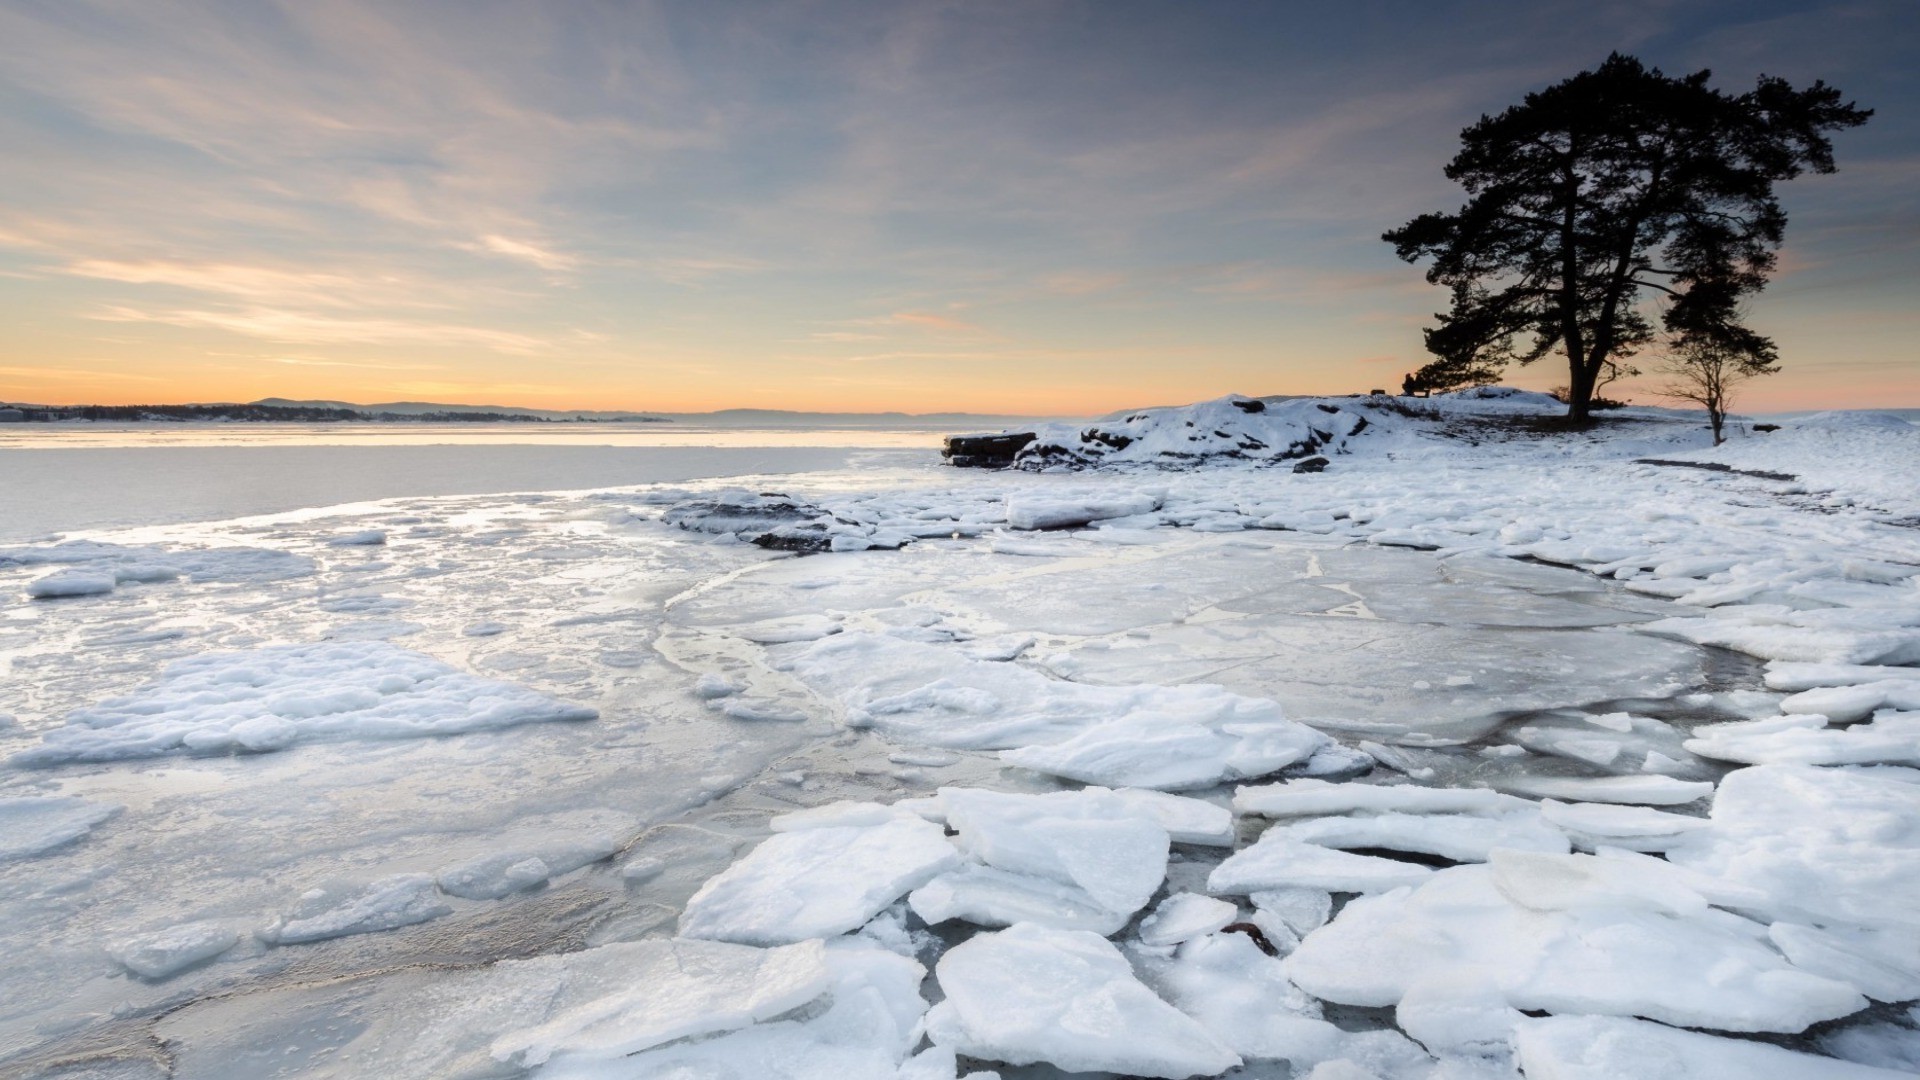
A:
x: 1717, y: 418
x: 1580, y: 391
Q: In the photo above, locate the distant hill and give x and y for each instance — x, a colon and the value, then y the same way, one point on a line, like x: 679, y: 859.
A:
x: 743, y: 418
x: 427, y: 408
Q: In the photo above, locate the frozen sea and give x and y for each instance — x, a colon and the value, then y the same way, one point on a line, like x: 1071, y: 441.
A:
x: 342, y: 753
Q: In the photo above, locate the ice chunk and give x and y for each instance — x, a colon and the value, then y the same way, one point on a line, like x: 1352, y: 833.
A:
x: 622, y: 999
x: 65, y: 583
x: 1187, y: 821
x: 844, y: 812
x: 817, y: 882
x: 1543, y: 882
x: 36, y: 823
x: 363, y: 538
x: 1456, y: 1018
x: 865, y: 1026
x: 1831, y: 847
x: 1617, y: 821
x: 1184, y: 916
x: 1891, y: 738
x: 1300, y: 910
x: 1301, y: 797
x: 165, y: 952
x: 1459, y: 837
x: 1042, y: 512
x: 267, y: 699
x: 1029, y: 994
x: 1171, y: 752
x: 1637, y: 790
x: 986, y: 896
x: 1882, y: 964
x: 1575, y: 953
x: 1844, y: 704
x: 340, y: 910
x: 715, y: 685
x: 1278, y: 861
x: 935, y: 696
x: 1242, y: 997
x: 490, y: 877
x: 1609, y: 1048
x: 1091, y: 839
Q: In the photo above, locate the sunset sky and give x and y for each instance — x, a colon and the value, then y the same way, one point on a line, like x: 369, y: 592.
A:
x: 1021, y: 207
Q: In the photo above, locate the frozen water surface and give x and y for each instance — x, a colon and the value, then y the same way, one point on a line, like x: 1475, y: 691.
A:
x: 283, y: 800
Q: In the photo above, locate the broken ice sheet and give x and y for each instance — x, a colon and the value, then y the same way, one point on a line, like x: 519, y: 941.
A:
x: 271, y: 698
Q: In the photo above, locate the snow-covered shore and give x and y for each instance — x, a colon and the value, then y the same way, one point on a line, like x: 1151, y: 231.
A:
x: 1105, y: 767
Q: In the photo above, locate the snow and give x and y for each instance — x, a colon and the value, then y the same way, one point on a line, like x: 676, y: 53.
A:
x: 1602, y: 1048
x: 1030, y: 994
x: 1458, y: 837
x: 272, y: 698
x: 817, y: 882
x: 40, y: 823
x: 490, y: 877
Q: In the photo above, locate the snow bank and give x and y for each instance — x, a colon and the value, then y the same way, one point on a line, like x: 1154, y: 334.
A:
x: 1232, y: 428
x: 272, y: 698
x: 163, y: 953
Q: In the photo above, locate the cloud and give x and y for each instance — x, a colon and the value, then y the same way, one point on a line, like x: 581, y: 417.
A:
x: 526, y: 252
x: 314, y: 329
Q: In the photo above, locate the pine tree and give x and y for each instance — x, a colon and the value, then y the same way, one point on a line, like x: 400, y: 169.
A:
x: 1599, y: 193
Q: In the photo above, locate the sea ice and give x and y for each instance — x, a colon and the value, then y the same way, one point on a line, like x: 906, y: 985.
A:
x: 1029, y: 994
x: 1612, y: 1048
x: 1041, y: 512
x: 271, y: 698
x: 339, y: 910
x: 66, y: 583
x: 35, y: 823
x: 1172, y: 752
x: 864, y: 1026
x: 490, y: 877
x: 1242, y: 997
x: 1889, y: 738
x: 1277, y: 861
x: 1635, y: 790
x: 1303, y: 797
x: 817, y: 882
x: 1184, y: 916
x: 1091, y: 839
x: 164, y: 952
x: 620, y: 999
x: 1459, y: 837
x: 1595, y: 943
x: 1830, y: 847
x: 988, y: 896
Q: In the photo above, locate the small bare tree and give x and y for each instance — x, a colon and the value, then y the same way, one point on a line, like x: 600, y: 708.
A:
x: 1706, y: 365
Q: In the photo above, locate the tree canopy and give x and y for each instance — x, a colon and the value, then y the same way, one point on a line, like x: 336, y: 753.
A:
x: 1599, y: 194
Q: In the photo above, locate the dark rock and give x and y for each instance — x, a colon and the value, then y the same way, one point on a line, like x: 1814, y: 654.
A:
x: 985, y: 451
x: 1251, y: 406
x: 1312, y: 464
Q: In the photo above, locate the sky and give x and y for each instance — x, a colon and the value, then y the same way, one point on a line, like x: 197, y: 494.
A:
x: 1030, y: 207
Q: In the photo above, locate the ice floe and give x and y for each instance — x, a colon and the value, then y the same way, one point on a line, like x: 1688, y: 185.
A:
x: 271, y: 698
x: 1608, y: 1048
x: 34, y: 824
x: 1088, y: 1014
x: 817, y: 882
